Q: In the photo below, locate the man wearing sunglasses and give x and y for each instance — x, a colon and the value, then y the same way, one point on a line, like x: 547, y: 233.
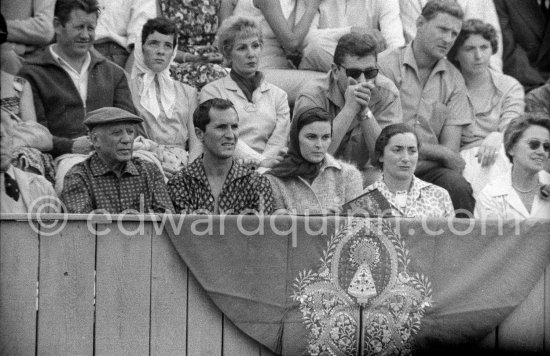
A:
x: 361, y: 100
x: 434, y: 99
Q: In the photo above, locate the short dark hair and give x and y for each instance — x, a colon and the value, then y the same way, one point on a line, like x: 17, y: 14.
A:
x: 434, y: 7
x: 473, y: 27
x: 354, y: 44
x: 517, y: 127
x: 161, y: 25
x: 63, y: 8
x: 385, y: 135
x: 201, y: 116
x: 3, y: 29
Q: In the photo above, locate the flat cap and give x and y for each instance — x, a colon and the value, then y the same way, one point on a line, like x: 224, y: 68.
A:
x: 108, y: 115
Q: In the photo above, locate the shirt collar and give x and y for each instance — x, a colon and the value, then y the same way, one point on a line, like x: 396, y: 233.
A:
x: 416, y: 186
x: 66, y: 64
x: 334, y: 94
x: 230, y: 84
x: 237, y: 171
x: 99, y: 168
x: 410, y: 60
x: 330, y: 161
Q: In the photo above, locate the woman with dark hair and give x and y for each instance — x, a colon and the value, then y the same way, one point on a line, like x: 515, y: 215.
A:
x: 496, y: 98
x: 165, y: 105
x: 264, y: 114
x: 396, y: 154
x: 523, y: 192
x: 309, y: 180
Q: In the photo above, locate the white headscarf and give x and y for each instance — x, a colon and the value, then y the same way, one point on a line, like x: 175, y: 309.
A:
x: 148, y: 96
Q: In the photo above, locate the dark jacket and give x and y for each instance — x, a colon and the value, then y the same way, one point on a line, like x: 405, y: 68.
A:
x: 526, y: 41
x: 57, y: 101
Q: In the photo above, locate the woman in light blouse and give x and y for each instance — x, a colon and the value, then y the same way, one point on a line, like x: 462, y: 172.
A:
x: 396, y: 154
x: 496, y: 98
x: 523, y: 192
x: 264, y: 114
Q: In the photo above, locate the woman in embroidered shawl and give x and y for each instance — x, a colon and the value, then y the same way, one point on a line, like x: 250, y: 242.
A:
x: 166, y: 105
x: 496, y: 99
x: 309, y: 180
x: 264, y: 114
x: 396, y: 154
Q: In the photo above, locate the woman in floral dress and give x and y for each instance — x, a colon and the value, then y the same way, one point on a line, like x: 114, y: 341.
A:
x: 197, y: 61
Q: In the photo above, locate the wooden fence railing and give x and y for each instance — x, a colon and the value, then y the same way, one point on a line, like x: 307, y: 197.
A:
x: 79, y: 293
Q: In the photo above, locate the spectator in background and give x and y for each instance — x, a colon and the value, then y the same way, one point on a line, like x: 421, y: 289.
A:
x: 197, y: 60
x: 215, y: 183
x: 309, y: 180
x: 282, y: 31
x: 21, y: 192
x: 337, y: 18
x: 538, y: 99
x: 434, y: 99
x: 525, y: 28
x: 357, y: 97
x: 165, y: 105
x: 29, y: 138
x: 497, y: 99
x: 518, y: 194
x: 396, y: 155
x: 69, y: 78
x: 483, y: 10
x: 111, y: 179
x: 30, y: 27
x: 264, y: 114
x: 119, y: 26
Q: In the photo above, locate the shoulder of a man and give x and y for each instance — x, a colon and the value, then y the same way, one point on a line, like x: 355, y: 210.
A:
x: 386, y: 86
x: 313, y: 93
x: 389, y: 63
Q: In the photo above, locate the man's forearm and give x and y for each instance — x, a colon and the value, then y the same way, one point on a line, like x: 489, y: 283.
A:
x: 340, y: 126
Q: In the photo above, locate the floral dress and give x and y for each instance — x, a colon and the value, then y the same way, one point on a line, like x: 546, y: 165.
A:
x: 198, y: 23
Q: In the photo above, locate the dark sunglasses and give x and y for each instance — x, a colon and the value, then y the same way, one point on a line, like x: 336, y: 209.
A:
x: 355, y: 73
x: 535, y: 144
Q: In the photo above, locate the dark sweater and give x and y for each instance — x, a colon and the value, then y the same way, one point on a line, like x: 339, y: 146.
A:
x: 57, y: 101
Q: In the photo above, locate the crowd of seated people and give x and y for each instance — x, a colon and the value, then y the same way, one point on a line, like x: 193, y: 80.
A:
x: 294, y: 106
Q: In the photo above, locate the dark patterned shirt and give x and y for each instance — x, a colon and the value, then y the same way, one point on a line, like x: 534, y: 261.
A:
x: 91, y: 185
x: 243, y: 189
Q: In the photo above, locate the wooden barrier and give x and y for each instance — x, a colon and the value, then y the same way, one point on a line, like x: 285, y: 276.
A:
x: 113, y: 294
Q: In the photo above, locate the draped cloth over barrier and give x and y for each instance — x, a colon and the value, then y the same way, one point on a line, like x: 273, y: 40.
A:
x: 300, y: 284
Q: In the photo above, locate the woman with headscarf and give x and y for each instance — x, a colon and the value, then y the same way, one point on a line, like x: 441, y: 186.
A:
x: 309, y: 180
x: 166, y: 105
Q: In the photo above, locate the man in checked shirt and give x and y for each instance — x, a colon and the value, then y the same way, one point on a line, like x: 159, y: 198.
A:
x: 110, y: 179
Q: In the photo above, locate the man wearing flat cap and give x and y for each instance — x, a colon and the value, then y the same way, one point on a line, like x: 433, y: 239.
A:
x: 110, y: 179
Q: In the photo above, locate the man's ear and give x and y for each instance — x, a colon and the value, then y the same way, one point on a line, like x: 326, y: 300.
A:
x: 421, y: 20
x: 200, y: 134
x: 57, y: 24
x: 334, y: 68
x: 93, y: 137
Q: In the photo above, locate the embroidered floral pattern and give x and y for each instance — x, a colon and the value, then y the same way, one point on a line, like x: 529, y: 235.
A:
x: 363, y: 297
